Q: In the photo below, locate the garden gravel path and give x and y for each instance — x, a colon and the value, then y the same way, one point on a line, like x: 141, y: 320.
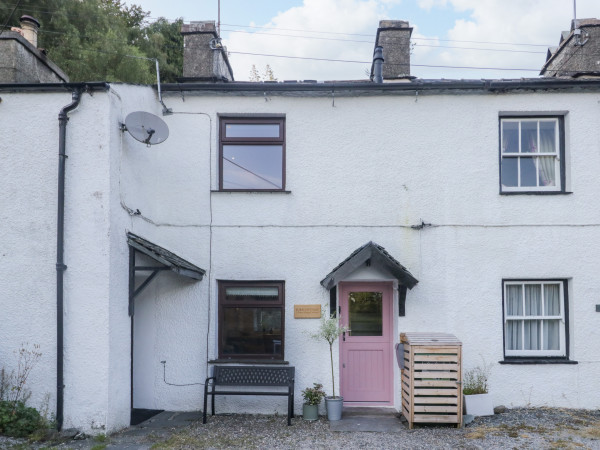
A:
x: 521, y: 428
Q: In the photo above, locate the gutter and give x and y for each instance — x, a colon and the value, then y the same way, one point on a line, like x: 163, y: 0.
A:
x: 54, y: 87
x: 370, y: 88
x: 63, y: 119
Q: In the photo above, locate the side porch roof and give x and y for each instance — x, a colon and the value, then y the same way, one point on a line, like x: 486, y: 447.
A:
x: 165, y: 257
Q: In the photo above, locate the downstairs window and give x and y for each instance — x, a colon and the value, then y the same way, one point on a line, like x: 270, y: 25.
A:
x: 535, y: 319
x: 251, y: 319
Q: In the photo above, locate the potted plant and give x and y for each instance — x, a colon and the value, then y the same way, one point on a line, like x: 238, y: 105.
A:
x: 329, y: 330
x: 478, y: 401
x: 312, y: 399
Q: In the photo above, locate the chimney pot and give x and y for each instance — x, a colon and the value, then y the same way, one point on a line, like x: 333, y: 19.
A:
x: 30, y: 27
x: 377, y: 64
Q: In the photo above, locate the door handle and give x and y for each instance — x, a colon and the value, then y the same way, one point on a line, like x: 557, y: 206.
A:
x: 344, y: 336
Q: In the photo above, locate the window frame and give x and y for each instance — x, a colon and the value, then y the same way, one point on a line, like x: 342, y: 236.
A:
x: 223, y: 303
x: 258, y: 120
x: 535, y: 356
x: 559, y: 158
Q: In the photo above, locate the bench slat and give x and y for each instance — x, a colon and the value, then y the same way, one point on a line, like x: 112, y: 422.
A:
x: 247, y: 393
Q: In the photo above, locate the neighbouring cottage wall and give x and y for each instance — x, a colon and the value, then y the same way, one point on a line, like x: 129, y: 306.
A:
x: 367, y: 169
x: 96, y: 330
x: 29, y: 148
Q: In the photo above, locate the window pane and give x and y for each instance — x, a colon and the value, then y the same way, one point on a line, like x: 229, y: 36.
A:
x: 533, y: 300
x: 252, y: 130
x: 249, y: 293
x: 251, y: 331
x: 514, y: 335
x: 514, y: 300
x: 552, y: 300
x: 510, y: 171
x: 365, y: 314
x: 547, y: 173
x: 510, y: 137
x: 528, y: 172
x: 548, y: 136
x: 252, y: 166
x: 529, y: 142
x: 551, y: 335
x: 532, y: 331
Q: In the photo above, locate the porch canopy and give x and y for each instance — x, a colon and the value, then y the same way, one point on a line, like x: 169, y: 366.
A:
x: 165, y: 257
x: 370, y: 254
x: 166, y: 261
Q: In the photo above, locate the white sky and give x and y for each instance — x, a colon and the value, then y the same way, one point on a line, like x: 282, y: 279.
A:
x: 345, y: 30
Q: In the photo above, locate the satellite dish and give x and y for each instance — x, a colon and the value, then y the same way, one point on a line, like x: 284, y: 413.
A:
x: 146, y: 127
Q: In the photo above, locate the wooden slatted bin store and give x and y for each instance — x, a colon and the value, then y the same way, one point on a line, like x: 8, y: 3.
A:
x: 431, y: 378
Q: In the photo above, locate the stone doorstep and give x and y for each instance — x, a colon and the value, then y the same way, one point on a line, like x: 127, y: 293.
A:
x: 374, y: 419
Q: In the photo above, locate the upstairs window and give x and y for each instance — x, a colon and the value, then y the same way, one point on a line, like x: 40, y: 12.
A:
x: 252, y: 154
x: 535, y: 319
x: 531, y: 154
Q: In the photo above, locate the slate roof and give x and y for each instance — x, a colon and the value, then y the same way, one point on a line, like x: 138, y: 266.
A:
x: 165, y: 257
x: 378, y: 256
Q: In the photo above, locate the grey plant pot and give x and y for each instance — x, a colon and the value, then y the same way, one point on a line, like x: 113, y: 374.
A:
x: 334, y: 407
x: 310, y: 412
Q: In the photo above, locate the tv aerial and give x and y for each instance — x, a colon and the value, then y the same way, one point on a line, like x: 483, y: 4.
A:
x: 146, y: 128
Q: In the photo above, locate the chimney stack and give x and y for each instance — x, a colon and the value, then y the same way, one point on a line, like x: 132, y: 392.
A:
x: 204, y: 57
x: 20, y: 59
x: 30, y: 27
x: 578, y: 52
x: 394, y: 37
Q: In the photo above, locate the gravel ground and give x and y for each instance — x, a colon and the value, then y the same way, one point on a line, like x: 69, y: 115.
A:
x: 517, y: 428
x: 521, y: 428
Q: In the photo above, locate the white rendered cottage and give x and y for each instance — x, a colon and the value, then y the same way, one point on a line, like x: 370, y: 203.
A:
x: 464, y: 207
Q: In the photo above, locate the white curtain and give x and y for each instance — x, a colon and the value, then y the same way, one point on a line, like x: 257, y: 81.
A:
x: 551, y: 308
x: 514, y: 307
x: 547, y: 164
x: 514, y: 300
x: 533, y: 307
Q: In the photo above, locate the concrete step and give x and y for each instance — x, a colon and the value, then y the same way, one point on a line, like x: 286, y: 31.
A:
x: 374, y: 419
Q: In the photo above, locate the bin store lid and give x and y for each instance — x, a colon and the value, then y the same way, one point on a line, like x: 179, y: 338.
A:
x: 425, y: 338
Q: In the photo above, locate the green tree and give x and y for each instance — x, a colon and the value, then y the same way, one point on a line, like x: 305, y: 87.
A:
x: 163, y: 40
x: 103, y: 39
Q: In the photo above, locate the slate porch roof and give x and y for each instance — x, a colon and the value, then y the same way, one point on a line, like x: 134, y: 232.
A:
x: 379, y: 257
x: 165, y: 257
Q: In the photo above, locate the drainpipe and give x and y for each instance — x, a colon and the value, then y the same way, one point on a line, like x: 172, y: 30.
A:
x: 60, y: 265
x: 378, y: 64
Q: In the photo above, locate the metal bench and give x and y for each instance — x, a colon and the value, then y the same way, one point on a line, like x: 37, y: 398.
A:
x: 250, y: 376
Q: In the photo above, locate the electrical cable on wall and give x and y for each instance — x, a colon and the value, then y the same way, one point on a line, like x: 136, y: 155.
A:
x: 164, y: 364
x: 210, y: 227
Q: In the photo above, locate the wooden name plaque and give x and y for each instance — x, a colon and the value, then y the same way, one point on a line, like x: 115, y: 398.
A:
x: 307, y: 311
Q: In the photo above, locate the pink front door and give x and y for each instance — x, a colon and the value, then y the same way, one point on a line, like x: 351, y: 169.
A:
x: 366, y: 350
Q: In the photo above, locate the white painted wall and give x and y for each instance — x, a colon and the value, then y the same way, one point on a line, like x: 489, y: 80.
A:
x: 96, y: 332
x: 28, y: 230
x: 366, y: 169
